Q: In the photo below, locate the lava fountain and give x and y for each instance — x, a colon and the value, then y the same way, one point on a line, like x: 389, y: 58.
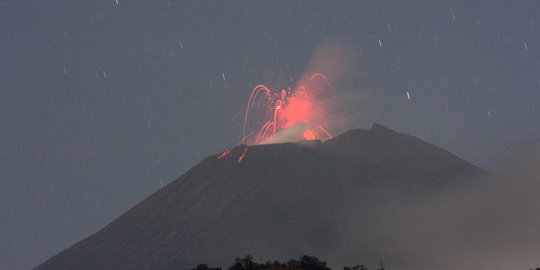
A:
x: 304, y: 112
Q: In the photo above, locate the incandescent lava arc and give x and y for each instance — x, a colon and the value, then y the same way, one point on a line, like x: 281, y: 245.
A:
x: 304, y: 112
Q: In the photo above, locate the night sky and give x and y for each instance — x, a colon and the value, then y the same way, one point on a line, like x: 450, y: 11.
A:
x: 104, y: 102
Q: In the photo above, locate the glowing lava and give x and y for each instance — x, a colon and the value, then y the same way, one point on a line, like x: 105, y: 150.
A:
x: 288, y: 115
x: 242, y: 156
x: 224, y: 154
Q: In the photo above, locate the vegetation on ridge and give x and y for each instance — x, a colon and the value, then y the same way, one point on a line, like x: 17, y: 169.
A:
x: 304, y: 263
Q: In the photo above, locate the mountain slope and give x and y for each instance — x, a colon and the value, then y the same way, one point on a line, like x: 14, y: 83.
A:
x: 272, y: 201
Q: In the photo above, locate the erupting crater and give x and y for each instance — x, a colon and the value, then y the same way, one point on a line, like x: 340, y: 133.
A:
x: 305, y: 112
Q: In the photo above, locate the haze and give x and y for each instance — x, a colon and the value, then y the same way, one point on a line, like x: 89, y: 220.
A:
x: 104, y: 102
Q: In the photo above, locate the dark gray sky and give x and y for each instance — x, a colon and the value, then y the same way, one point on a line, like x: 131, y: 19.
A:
x: 103, y: 102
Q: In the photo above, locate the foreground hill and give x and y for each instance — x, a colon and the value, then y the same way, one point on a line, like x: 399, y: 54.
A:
x: 330, y: 199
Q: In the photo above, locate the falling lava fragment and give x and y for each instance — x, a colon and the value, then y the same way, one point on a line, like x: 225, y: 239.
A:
x: 306, y: 109
x: 224, y: 154
x: 242, y: 156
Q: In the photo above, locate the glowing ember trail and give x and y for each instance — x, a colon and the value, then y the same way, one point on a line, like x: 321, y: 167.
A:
x: 224, y: 154
x: 242, y: 156
x: 303, y: 112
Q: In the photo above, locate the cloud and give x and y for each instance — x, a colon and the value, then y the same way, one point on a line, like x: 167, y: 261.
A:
x: 292, y: 134
x: 490, y: 222
x: 333, y: 59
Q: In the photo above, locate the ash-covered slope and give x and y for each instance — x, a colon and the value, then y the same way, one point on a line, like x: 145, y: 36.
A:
x: 272, y: 201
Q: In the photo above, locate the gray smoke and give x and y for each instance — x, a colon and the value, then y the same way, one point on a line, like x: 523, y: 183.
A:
x: 487, y: 223
x: 292, y: 134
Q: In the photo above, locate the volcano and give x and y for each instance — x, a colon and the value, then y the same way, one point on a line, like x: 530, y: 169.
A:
x: 332, y: 199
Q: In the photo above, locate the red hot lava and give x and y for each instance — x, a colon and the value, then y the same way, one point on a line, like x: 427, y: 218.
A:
x: 303, y: 112
x: 242, y: 156
x: 224, y: 154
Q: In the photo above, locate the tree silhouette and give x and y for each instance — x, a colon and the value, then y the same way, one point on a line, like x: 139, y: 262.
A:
x: 359, y: 267
x: 201, y: 266
x: 312, y: 263
x: 304, y: 263
x: 294, y: 264
x: 204, y: 266
x: 245, y: 263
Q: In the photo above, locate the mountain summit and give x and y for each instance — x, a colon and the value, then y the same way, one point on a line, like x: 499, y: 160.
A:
x: 275, y: 201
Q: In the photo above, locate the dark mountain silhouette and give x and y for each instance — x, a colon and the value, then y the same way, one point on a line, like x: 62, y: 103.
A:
x: 273, y: 201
